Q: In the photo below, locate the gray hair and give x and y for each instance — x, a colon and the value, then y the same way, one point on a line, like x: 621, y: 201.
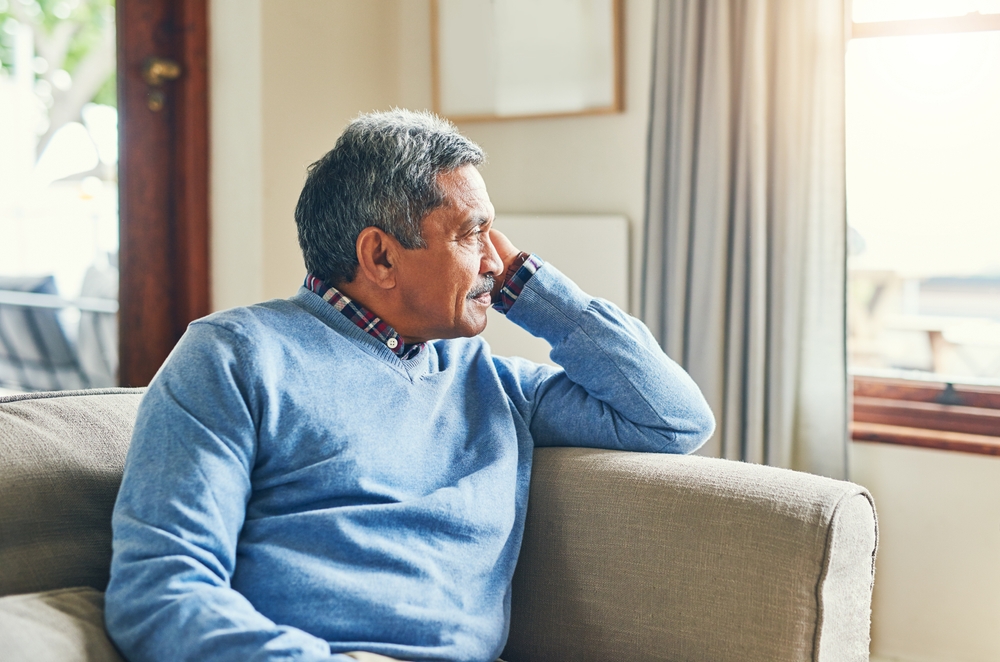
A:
x: 383, y: 173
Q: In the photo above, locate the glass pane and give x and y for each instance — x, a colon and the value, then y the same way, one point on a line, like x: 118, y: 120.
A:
x: 58, y: 194
x: 923, y: 163
x: 900, y: 10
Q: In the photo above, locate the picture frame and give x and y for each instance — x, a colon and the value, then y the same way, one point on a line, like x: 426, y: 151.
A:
x: 521, y: 59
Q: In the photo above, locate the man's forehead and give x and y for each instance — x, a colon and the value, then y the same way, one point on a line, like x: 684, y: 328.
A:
x: 464, y: 182
x: 465, y: 193
x: 456, y: 219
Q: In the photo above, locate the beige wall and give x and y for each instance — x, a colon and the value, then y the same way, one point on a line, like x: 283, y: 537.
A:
x: 586, y: 165
x: 324, y: 61
x: 236, y: 160
x: 287, y: 76
x: 937, y: 578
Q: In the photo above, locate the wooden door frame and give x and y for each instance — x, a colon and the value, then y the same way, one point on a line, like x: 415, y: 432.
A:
x: 163, y: 182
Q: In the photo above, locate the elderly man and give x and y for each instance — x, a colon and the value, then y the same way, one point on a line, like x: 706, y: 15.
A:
x: 347, y: 470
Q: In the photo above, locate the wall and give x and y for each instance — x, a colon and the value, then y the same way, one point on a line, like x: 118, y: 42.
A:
x: 236, y: 132
x: 321, y: 62
x: 324, y: 61
x: 937, y: 578
x: 592, y: 165
x: 587, y: 164
x: 287, y: 75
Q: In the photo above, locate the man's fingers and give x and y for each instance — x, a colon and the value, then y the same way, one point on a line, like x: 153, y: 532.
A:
x: 505, y: 249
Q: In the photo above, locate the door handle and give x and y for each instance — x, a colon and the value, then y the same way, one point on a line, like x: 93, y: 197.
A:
x: 156, y: 70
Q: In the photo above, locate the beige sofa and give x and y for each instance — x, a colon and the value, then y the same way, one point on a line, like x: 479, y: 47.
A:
x: 626, y: 556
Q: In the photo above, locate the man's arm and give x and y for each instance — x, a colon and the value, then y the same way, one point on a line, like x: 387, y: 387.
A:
x: 617, y: 388
x: 179, y: 514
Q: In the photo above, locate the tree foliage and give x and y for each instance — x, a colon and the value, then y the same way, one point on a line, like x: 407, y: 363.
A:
x: 74, y: 53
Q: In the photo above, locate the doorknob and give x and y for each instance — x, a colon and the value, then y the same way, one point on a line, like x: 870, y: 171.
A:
x: 156, y: 70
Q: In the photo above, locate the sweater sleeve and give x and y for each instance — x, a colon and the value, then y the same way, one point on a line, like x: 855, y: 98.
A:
x: 616, y: 388
x: 179, y: 513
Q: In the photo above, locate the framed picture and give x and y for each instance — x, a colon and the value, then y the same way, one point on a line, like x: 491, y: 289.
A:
x: 504, y: 59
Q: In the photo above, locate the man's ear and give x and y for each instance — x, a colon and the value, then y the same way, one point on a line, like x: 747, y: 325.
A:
x: 377, y: 252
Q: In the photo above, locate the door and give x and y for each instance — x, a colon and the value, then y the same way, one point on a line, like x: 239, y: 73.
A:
x: 163, y: 178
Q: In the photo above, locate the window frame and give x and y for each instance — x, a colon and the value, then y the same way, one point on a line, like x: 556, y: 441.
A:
x: 943, y: 415
x: 973, y: 22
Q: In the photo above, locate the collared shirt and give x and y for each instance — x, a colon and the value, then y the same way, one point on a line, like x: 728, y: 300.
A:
x: 374, y: 326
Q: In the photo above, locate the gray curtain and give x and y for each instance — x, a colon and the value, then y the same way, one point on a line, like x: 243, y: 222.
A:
x: 743, y: 272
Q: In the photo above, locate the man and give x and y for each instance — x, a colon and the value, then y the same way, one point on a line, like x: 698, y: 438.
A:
x: 347, y: 470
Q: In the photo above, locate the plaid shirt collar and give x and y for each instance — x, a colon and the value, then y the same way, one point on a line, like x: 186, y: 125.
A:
x: 363, y: 318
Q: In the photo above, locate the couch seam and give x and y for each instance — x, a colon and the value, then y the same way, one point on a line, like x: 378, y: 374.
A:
x: 828, y: 546
x: 17, y: 597
x: 46, y: 395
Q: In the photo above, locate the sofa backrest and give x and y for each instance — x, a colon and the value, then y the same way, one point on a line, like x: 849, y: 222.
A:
x: 61, y: 461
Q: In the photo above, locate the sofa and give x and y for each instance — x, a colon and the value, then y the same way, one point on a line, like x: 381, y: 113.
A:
x: 626, y: 556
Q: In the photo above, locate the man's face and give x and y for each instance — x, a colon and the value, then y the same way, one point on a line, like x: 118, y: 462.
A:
x: 446, y: 285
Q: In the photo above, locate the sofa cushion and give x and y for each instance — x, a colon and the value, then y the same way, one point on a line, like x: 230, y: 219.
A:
x: 64, y: 626
x: 61, y: 461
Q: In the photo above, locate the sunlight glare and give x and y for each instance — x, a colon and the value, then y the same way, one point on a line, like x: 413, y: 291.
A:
x: 923, y: 150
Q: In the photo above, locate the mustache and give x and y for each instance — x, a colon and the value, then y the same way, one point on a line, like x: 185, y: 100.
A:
x: 484, y: 287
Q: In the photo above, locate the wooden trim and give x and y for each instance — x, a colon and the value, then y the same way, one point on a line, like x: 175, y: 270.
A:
x: 435, y: 57
x: 937, y: 439
x: 619, y: 50
x: 145, y: 288
x: 617, y: 104
x: 192, y: 167
x: 929, y: 416
x: 973, y: 22
x: 936, y: 392
x: 946, y: 416
x: 163, y: 182
x: 535, y: 116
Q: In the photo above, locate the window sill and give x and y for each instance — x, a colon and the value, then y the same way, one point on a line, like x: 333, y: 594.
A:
x: 922, y: 438
x: 945, y: 416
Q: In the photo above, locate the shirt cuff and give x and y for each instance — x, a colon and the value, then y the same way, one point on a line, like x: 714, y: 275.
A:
x: 515, y: 282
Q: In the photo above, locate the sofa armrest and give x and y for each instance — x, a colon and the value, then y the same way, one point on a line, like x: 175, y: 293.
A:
x: 633, y: 556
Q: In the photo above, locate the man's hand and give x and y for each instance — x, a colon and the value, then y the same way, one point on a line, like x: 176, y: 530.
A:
x: 507, y: 252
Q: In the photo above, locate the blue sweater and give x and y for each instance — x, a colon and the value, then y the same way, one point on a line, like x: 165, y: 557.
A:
x: 295, y: 491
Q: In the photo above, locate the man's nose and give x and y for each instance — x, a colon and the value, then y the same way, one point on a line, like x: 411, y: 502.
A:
x: 492, y: 264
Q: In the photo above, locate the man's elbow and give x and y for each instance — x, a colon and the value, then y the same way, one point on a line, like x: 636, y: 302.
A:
x: 700, y: 425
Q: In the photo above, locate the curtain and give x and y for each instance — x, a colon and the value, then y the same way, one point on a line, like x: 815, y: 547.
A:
x: 743, y: 276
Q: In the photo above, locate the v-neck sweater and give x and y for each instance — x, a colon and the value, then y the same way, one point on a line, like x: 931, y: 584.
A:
x: 294, y: 490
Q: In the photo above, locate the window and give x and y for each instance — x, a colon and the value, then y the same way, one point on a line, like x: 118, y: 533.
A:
x: 58, y: 195
x: 923, y: 162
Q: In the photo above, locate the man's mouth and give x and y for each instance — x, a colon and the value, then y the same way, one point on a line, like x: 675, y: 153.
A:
x: 484, y: 289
